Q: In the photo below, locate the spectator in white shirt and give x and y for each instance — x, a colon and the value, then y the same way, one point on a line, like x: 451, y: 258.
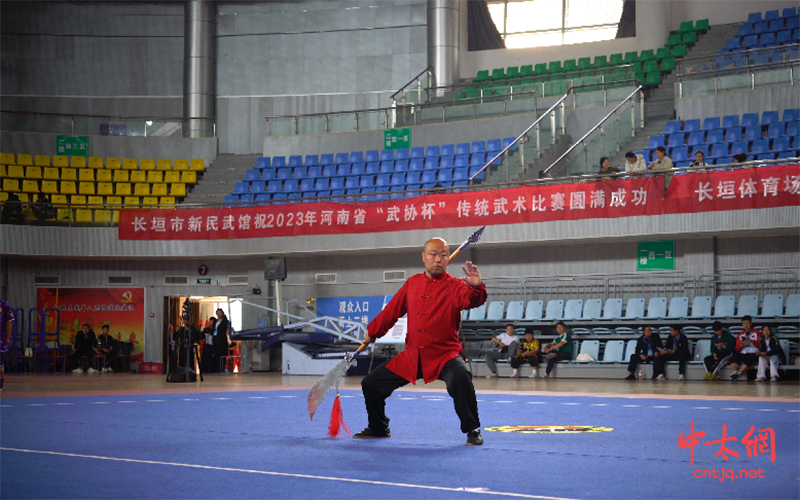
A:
x: 635, y: 164
x: 507, y: 344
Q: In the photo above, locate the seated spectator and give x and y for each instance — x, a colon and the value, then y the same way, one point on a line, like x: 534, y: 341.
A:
x: 747, y: 344
x: 12, y: 210
x: 769, y: 351
x: 647, y: 350
x: 739, y: 158
x: 528, y: 352
x: 42, y: 209
x: 209, y: 362
x: 722, y: 345
x: 699, y: 159
x: 634, y: 164
x: 606, y: 168
x: 662, y: 163
x: 507, y: 343
x: 560, y: 349
x: 677, y: 349
x: 85, y: 343
x: 106, y: 346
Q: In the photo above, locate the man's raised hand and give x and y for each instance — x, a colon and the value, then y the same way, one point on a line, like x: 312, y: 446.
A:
x: 473, y: 276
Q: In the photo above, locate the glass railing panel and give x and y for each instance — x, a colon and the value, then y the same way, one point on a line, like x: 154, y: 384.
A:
x: 157, y: 128
x: 490, y: 109
x: 345, y: 122
x: 773, y: 78
x: 735, y: 83
x: 53, y: 124
x: 280, y: 126
x: 459, y: 113
x: 311, y: 125
x: 371, y: 120
x: 432, y: 114
x: 697, y: 88
x: 519, y: 106
x: 136, y: 128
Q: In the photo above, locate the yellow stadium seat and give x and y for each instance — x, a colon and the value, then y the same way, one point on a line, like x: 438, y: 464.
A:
x: 16, y: 171
x: 113, y: 201
x: 50, y: 174
x: 131, y: 202
x: 155, y: 176
x: 77, y: 161
x: 25, y: 160
x: 30, y: 186
x: 113, y: 163
x: 141, y: 189
x: 189, y: 177
x: 50, y: 187
x: 3, y: 196
x: 138, y: 176
x: 121, y: 176
x: 115, y: 217
x: 149, y: 202
x: 177, y: 190
x: 23, y: 197
x: 3, y: 171
x: 7, y: 158
x: 95, y: 162
x: 64, y: 215
x: 77, y: 200
x: 58, y: 200
x: 42, y: 160
x: 198, y: 165
x: 130, y: 164
x: 122, y: 189
x: 60, y: 161
x: 105, y: 188
x: 69, y: 174
x: 10, y: 185
x: 68, y: 187
x: 159, y: 190
x: 166, y: 201
x: 164, y: 165
x: 147, y: 164
x: 170, y: 177
x: 95, y: 200
x: 33, y: 173
x: 86, y: 175
x: 83, y: 215
x: 102, y: 216
x: 104, y: 175
x: 86, y: 188
x: 181, y: 165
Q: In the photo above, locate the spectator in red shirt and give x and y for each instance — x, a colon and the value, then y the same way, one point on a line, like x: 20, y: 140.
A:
x: 747, y: 344
x: 433, y: 301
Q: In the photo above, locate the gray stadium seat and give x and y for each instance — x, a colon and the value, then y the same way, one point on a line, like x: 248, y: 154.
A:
x: 590, y: 347
x: 496, y: 309
x: 614, y: 351
x: 624, y: 330
x: 724, y: 306
x: 702, y: 349
x: 657, y: 308
x: 478, y: 313
x: 786, y: 346
x: 792, y: 306
x: 773, y: 306
x: 602, y: 331
x: 635, y: 309
x: 678, y: 307
x: 701, y: 307
x: 515, y: 310
x: 592, y: 309
x: 555, y: 310
x: 613, y: 309
x: 573, y: 309
x: 630, y: 348
x: 575, y: 344
x: 533, y: 311
x: 748, y: 304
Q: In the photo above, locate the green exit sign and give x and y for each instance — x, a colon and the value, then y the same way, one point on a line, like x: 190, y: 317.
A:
x: 655, y: 255
x: 204, y: 281
x: 397, y: 138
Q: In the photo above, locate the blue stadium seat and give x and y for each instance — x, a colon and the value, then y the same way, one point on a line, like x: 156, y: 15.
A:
x: 231, y: 199
x: 462, y: 148
x: 730, y: 121
x: 258, y: 187
x: 460, y: 174
x: 711, y: 123
x: 417, y: 152
x: 792, y: 306
x: 478, y: 147
x: 308, y: 195
x: 678, y: 308
x: 315, y: 171
x: 614, y: 351
x: 573, y: 309
x: 784, y: 36
x: 445, y: 174
x: 555, y: 310
x: 269, y: 173
x: 772, y: 306
x: 509, y: 141
x: 462, y: 160
x: 781, y: 144
x: 675, y: 140
x: 247, y: 198
x: 367, y: 181
x: 730, y: 45
x: 630, y: 349
x: 748, y: 305
x: 760, y: 146
x: 515, y: 310
x: 374, y: 155
x: 337, y: 183
x: 696, y: 138
x: 447, y: 161
x: 299, y: 172
x: 278, y: 161
x: 262, y: 198
x: 401, y: 154
x: 413, y: 178
x: 241, y: 187
x: 322, y: 184
x: 767, y: 40
x: 473, y: 172
x: 765, y: 156
x: 701, y: 307
x: 657, y: 308
x: 295, y: 160
x: 338, y: 196
x: 768, y: 117
x: 724, y: 306
x: 290, y: 185
x: 592, y: 309
x: 777, y: 129
x: 432, y: 151
x: 719, y: 150
x: 478, y: 159
x: 702, y: 349
x: 401, y: 166
x: 738, y: 148
x: 771, y: 15
x: 429, y: 176
x: 284, y: 173
x: 533, y: 310
x: 754, y: 17
x: 749, y: 119
x: 791, y: 115
x: 691, y: 125
x: 590, y: 347
x: 326, y: 159
x: 724, y: 161
x: 342, y: 158
x: 448, y: 149
x: 358, y: 169
x: 714, y: 136
x: 431, y: 163
x: 680, y: 154
x: 634, y: 309
x: 343, y: 170
x: 656, y: 141
x: 493, y: 145
x: 495, y: 310
x: 252, y: 174
x: 415, y: 164
x: 789, y: 12
x: 350, y: 182
x: 673, y: 127
x: 398, y: 179
x: 262, y: 162
x: 612, y: 309
x: 478, y: 313
x: 386, y: 155
x: 275, y: 186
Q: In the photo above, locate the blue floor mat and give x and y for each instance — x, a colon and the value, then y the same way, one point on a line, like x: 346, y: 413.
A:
x: 262, y: 445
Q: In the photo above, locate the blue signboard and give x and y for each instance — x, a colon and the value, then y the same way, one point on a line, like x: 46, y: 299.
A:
x: 361, y: 309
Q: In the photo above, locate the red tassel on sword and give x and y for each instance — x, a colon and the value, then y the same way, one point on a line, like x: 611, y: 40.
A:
x: 337, y: 419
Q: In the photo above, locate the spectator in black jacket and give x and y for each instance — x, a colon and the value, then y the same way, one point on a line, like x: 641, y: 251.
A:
x: 722, y: 346
x: 209, y: 359
x: 85, y: 344
x: 769, y: 351
x: 677, y: 349
x: 647, y: 350
x: 106, y: 346
x: 221, y: 338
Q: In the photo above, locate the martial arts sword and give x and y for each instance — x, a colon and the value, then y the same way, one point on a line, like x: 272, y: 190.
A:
x: 317, y: 393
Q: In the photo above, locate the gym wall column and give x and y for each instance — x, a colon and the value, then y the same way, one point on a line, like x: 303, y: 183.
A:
x: 199, y: 67
x: 443, y: 42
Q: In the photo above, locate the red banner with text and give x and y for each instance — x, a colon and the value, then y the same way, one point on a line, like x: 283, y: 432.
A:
x: 589, y: 200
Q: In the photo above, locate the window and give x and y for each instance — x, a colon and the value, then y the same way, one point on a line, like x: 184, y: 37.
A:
x: 543, y: 23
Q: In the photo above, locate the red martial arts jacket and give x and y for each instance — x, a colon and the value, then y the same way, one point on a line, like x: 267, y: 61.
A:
x: 434, y: 308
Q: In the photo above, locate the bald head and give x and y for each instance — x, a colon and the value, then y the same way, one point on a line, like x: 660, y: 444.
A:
x: 439, y: 241
x: 435, y: 256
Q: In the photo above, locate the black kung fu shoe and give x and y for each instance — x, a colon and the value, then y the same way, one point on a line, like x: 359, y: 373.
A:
x: 474, y: 438
x: 371, y: 434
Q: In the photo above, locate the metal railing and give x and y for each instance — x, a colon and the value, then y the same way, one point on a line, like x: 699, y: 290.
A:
x: 614, y: 112
x: 420, y: 86
x: 104, y: 125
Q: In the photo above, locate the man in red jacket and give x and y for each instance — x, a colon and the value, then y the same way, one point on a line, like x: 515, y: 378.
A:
x: 433, y: 301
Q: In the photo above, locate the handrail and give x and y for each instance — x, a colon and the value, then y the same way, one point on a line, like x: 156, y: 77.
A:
x: 779, y: 48
x: 742, y: 69
x: 630, y: 96
x: 120, y: 117
x: 392, y: 97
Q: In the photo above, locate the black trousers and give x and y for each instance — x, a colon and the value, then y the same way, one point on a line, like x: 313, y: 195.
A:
x: 560, y: 356
x: 715, y: 365
x: 380, y: 383
x: 750, y: 360
x: 635, y: 360
x: 661, y: 361
x: 517, y: 362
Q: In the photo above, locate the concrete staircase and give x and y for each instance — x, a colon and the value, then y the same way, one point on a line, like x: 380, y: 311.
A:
x: 220, y: 178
